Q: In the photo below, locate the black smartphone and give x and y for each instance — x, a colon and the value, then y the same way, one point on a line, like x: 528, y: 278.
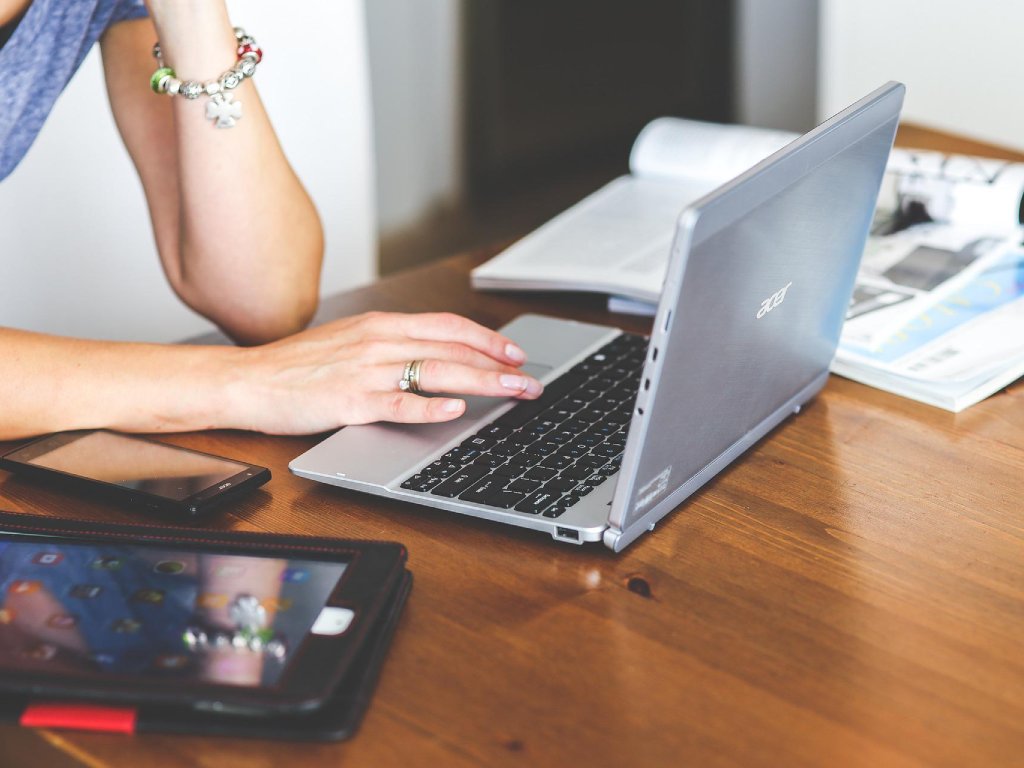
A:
x: 135, y: 470
x: 217, y: 622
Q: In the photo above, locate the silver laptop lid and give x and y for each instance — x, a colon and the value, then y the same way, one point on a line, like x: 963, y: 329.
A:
x: 760, y: 278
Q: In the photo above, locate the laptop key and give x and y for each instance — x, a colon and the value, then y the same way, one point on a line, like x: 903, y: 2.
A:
x: 537, y: 502
x: 577, y: 472
x: 523, y: 485
x: 539, y: 426
x: 512, y: 469
x: 604, y: 429
x: 528, y: 409
x: 421, y: 482
x: 571, y: 403
x: 478, y: 442
x: 541, y: 473
x: 557, y: 460
x: 505, y: 499
x: 460, y: 481
x: 557, y: 413
x: 561, y: 437
x: 559, y: 485
x: 490, y: 461
x: 506, y: 449
x: 440, y: 468
x: 485, y: 488
x: 542, y: 448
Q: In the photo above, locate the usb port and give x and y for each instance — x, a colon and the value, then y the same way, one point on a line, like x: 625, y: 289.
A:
x: 567, y: 533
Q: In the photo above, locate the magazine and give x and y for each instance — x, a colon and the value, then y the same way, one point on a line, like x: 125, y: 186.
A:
x: 616, y: 241
x: 967, y: 344
x: 945, y: 224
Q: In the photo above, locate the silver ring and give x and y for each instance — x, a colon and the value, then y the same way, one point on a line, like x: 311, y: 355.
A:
x: 410, y: 381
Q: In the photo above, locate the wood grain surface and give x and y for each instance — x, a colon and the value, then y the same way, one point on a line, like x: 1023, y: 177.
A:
x: 849, y: 593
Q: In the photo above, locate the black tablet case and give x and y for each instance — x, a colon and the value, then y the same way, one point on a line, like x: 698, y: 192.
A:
x: 337, y: 719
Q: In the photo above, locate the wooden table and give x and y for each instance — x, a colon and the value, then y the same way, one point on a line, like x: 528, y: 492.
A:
x: 851, y: 592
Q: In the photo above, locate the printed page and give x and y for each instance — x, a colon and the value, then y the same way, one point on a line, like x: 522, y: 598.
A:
x: 674, y: 148
x: 616, y: 240
x: 971, y: 334
x: 975, y: 192
x: 903, y: 274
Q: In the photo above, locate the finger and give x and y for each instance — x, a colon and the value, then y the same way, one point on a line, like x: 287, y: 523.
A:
x: 448, y: 327
x: 409, y: 349
x: 446, y: 376
x: 405, y: 408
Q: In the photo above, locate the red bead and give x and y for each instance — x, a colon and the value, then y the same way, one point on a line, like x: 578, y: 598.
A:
x: 244, y: 49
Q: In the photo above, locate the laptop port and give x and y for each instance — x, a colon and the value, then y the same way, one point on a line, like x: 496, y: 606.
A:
x: 567, y: 533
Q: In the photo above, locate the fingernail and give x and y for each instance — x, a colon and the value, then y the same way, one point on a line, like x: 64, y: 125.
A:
x: 452, y: 406
x: 534, y: 387
x: 515, y: 353
x: 511, y: 381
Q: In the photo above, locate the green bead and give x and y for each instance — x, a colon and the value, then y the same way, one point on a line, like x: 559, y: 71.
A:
x: 158, y: 77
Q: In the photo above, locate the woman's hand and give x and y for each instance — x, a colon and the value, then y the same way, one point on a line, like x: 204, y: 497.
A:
x: 347, y: 372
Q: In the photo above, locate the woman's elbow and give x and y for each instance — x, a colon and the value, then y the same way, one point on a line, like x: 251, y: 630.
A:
x: 251, y: 314
x: 269, y: 321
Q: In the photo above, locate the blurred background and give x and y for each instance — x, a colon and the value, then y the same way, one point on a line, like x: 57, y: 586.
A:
x: 493, y: 115
x: 426, y: 127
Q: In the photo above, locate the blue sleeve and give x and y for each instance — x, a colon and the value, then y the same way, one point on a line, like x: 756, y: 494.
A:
x: 126, y: 10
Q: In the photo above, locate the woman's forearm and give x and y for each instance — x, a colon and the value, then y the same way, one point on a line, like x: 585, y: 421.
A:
x: 52, y: 383
x: 238, y: 236
x: 344, y: 372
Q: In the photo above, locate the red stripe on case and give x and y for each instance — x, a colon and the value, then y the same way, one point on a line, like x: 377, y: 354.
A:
x: 81, y: 717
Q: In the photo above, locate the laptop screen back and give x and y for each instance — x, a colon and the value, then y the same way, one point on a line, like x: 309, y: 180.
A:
x: 755, y: 296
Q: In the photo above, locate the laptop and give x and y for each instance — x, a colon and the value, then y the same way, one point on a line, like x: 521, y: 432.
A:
x: 759, y: 279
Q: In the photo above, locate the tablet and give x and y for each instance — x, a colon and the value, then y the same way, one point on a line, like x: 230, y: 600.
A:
x: 218, y: 622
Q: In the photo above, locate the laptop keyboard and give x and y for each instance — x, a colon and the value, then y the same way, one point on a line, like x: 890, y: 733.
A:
x: 544, y: 455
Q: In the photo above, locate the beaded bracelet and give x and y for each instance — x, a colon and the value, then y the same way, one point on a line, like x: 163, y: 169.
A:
x: 221, y: 108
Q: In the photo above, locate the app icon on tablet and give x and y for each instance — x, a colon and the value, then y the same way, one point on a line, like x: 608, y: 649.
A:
x: 126, y: 626
x: 85, y: 591
x: 151, y: 596
x: 24, y: 587
x: 169, y: 567
x: 62, y: 621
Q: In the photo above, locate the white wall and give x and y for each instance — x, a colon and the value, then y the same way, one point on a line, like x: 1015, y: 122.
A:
x: 76, y: 252
x: 960, y: 61
x: 414, y: 65
x: 776, y: 63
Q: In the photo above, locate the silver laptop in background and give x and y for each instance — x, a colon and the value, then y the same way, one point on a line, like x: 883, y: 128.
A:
x: 758, y: 283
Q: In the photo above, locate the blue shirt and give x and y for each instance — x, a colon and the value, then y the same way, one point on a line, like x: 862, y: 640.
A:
x: 37, y: 63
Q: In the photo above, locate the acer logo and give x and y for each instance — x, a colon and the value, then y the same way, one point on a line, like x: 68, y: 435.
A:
x: 773, y: 301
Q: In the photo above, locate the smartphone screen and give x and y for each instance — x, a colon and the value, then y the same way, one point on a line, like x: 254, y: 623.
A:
x: 133, y: 463
x: 136, y: 470
x: 148, y: 612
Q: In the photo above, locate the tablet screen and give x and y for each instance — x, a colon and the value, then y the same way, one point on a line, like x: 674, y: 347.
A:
x: 143, y: 612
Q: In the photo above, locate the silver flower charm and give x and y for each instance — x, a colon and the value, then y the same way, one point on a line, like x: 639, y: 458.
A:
x: 224, y: 110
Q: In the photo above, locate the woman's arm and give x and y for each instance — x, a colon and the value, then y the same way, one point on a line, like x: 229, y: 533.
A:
x: 344, y: 372
x: 239, y: 238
